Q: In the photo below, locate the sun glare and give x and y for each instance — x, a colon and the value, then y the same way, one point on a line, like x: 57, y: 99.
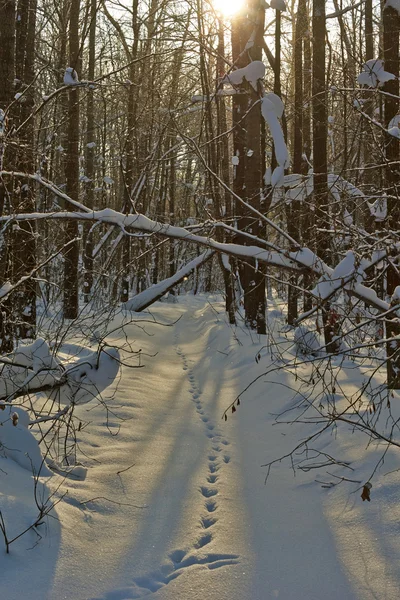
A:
x: 228, y: 7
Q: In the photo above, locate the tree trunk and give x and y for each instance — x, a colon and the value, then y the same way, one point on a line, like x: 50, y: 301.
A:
x: 71, y: 255
x: 23, y: 238
x: 90, y: 152
x: 320, y: 134
x: 391, y: 31
x: 7, y: 77
x: 247, y: 150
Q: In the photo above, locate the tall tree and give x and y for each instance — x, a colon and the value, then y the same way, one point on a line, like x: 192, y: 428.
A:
x: 71, y: 255
x: 320, y: 136
x: 24, y: 238
x: 249, y: 159
x: 7, y: 77
x: 391, y: 31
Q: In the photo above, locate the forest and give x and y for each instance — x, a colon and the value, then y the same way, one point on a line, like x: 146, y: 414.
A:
x: 242, y: 153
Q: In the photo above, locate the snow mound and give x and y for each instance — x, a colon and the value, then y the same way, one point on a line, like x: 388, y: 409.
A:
x: 306, y: 341
x: 18, y: 443
x: 92, y: 374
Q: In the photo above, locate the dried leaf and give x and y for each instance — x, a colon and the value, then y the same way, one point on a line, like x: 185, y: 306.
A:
x: 366, y: 493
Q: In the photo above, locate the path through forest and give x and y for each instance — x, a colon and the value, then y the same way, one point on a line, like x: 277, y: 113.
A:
x: 174, y: 505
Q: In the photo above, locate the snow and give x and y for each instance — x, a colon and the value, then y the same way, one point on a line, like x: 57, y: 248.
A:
x: 378, y: 209
x: 278, y: 5
x: 71, y: 77
x: 176, y: 507
x: 277, y: 176
x: 272, y: 109
x: 374, y: 74
x: 252, y: 73
x: 306, y: 341
x: 18, y: 443
x: 349, y: 271
x: 394, y: 4
x: 396, y: 296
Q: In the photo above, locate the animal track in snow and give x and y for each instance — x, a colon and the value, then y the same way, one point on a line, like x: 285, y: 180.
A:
x: 207, y: 522
x: 211, y: 506
x: 149, y: 584
x: 208, y: 492
x: 203, y: 541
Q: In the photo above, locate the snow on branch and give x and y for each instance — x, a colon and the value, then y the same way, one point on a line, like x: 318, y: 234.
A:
x: 373, y: 73
x: 272, y: 109
x: 251, y: 73
x: 154, y: 293
x: 300, y: 259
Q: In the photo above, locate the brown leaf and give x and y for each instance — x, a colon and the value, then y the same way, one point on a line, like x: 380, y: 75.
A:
x: 366, y: 493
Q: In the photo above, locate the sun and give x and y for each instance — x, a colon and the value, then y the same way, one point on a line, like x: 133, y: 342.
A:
x: 228, y: 7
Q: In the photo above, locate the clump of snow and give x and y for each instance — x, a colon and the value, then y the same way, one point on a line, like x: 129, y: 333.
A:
x: 108, y: 180
x: 252, y: 73
x: 272, y: 109
x: 394, y: 4
x: 278, y: 5
x: 395, y: 299
x: 393, y: 127
x: 378, y: 209
x: 71, y: 77
x: 235, y: 160
x: 373, y: 73
x: 277, y: 176
x: 394, y: 131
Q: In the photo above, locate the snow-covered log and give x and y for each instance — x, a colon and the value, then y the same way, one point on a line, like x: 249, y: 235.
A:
x: 34, y: 367
x: 154, y: 293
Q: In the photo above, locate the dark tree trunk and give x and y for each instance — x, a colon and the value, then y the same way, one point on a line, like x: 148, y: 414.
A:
x: 24, y: 240
x: 391, y: 31
x: 247, y: 148
x: 7, y: 76
x: 90, y: 152
x: 71, y: 255
x: 320, y: 134
x: 293, y: 211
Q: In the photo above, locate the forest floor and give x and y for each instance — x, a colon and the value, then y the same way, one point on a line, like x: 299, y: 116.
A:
x: 175, y: 505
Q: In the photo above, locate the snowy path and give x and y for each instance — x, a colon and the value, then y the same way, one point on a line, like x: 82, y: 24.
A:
x: 175, y: 507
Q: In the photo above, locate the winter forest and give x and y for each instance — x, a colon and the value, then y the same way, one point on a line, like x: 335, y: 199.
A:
x: 199, y: 299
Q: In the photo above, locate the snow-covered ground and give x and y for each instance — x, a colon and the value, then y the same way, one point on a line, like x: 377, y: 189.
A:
x: 175, y: 506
